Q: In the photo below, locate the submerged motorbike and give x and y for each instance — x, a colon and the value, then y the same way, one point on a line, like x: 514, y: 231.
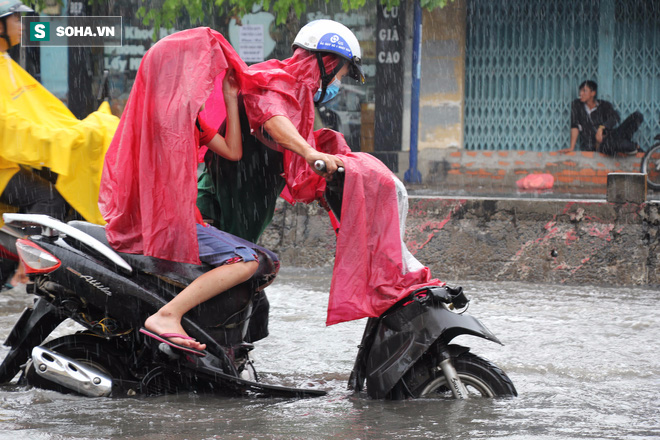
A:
x: 406, y: 352
x: 75, y: 274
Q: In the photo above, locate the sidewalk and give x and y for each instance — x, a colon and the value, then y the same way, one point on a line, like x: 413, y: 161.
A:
x: 457, y: 172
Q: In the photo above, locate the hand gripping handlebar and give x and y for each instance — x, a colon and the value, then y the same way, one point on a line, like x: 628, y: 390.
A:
x: 321, y: 166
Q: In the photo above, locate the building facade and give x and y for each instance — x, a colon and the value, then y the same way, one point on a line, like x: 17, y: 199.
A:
x: 495, y: 74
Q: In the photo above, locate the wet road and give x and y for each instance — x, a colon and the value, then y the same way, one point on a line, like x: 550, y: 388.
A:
x: 584, y: 360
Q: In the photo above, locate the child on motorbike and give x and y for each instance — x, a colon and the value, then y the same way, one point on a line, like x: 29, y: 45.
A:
x: 235, y: 262
x: 148, y: 189
x: 148, y: 185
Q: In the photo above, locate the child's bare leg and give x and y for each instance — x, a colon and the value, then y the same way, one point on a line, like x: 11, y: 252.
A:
x: 20, y: 277
x: 212, y: 283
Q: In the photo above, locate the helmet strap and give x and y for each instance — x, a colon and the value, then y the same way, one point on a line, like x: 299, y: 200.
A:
x: 326, y: 78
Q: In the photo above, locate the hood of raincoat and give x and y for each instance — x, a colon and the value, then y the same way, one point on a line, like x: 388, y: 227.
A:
x: 38, y: 130
x: 148, y: 188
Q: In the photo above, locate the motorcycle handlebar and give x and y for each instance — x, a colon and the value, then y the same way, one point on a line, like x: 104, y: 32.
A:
x: 321, y: 166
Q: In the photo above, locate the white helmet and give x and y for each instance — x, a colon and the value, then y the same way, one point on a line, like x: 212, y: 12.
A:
x: 8, y: 7
x: 328, y: 36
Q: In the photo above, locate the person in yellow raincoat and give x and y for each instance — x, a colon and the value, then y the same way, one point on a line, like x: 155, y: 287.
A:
x: 37, y: 130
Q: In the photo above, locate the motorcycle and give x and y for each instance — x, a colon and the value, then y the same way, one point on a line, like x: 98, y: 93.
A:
x: 405, y: 353
x: 75, y: 274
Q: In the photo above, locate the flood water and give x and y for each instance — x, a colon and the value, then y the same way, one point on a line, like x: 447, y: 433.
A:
x: 585, y: 362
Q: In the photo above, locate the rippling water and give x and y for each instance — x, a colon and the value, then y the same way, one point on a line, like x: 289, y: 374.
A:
x: 584, y: 361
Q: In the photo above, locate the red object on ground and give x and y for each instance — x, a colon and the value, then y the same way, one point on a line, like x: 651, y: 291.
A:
x: 536, y: 181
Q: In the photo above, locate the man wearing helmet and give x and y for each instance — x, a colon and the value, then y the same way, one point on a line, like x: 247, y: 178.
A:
x: 10, y: 23
x: 279, y: 99
x: 330, y: 37
x: 324, y: 52
x: 19, y: 186
x: 370, y: 273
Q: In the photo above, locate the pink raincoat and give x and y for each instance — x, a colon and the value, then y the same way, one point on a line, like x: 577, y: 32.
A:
x: 148, y: 189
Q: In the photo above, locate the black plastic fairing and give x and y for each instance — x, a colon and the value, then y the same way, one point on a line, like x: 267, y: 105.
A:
x: 180, y: 274
x: 405, y: 334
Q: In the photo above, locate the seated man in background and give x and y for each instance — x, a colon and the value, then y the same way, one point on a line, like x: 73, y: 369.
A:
x: 595, y: 123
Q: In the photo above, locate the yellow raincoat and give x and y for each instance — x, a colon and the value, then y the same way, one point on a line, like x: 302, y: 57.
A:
x: 37, y: 130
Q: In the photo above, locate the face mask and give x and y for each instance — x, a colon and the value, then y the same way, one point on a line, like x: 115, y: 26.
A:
x: 330, y: 92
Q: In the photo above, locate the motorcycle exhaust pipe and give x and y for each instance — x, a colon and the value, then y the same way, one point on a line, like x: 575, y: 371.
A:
x: 74, y: 375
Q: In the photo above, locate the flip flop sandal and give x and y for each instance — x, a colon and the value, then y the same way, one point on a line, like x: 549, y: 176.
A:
x: 163, y: 337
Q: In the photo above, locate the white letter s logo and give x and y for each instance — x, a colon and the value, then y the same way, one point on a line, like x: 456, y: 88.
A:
x: 40, y: 31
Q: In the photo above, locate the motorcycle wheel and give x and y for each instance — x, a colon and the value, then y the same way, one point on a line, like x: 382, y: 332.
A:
x: 160, y: 382
x: 91, y: 350
x: 481, y: 377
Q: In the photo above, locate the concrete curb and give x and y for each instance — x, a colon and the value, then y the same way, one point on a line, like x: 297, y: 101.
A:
x: 575, y: 242
x: 454, y: 167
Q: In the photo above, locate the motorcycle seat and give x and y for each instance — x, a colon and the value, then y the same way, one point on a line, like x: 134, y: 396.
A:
x: 181, y: 274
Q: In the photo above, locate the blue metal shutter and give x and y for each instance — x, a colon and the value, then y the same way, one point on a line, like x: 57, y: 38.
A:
x: 526, y: 58
x: 636, y: 70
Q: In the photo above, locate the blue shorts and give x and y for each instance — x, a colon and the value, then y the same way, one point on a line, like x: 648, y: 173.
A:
x: 217, y: 247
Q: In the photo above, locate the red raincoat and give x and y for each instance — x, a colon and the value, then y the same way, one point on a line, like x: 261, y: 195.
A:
x: 368, y: 276
x: 149, y: 184
x: 287, y: 88
x: 148, y: 189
